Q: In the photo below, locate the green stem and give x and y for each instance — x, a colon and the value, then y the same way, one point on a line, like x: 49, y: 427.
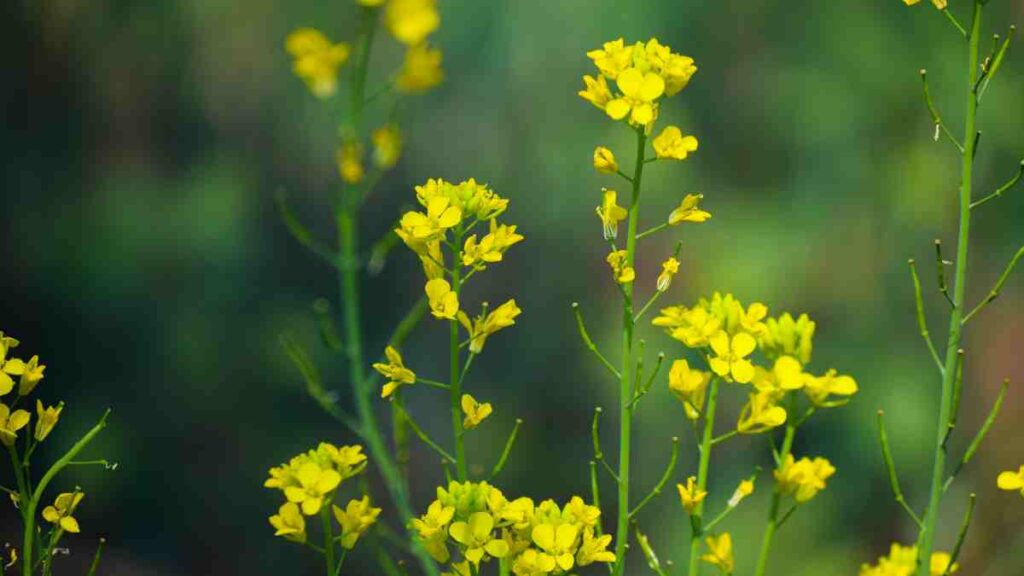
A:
x: 325, y: 518
x: 456, y: 368
x: 773, y: 514
x: 697, y: 517
x: 625, y: 376
x: 926, y: 538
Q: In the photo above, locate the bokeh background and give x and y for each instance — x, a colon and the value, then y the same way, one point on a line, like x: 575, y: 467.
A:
x: 143, y: 259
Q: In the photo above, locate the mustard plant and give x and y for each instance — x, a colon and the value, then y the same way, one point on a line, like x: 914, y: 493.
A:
x: 46, y: 519
x: 981, y: 68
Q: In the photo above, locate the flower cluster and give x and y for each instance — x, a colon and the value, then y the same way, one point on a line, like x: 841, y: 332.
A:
x: 902, y: 561
x: 310, y: 482
x: 21, y: 378
x: 643, y: 73
x: 479, y: 523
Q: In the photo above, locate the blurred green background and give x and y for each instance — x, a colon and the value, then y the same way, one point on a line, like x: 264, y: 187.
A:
x: 143, y: 259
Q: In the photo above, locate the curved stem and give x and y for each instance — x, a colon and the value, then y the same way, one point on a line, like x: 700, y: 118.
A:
x: 773, y: 514
x: 625, y: 376
x: 926, y: 538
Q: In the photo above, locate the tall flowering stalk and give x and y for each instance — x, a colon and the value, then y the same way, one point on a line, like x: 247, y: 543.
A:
x: 45, y: 522
x: 979, y: 74
x: 318, y: 62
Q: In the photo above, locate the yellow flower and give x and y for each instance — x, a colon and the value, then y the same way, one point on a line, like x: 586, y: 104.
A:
x: 441, y: 215
x: 371, y: 3
x: 558, y: 542
x: 677, y: 71
x: 444, y: 302
x: 673, y: 145
x: 8, y: 368
x: 289, y: 523
x: 604, y: 161
x: 596, y: 91
x: 745, y: 488
x: 483, y: 326
x: 612, y: 58
x: 349, y: 461
x: 639, y: 92
x: 1010, y: 480
x: 939, y: 564
x: 421, y: 69
x: 475, y: 412
x: 788, y: 337
x: 576, y: 510
x: 46, y: 419
x: 594, y: 548
x: 355, y: 520
x: 760, y: 414
x: 432, y: 529
x: 689, y: 211
x: 533, y: 563
x: 720, y: 553
x: 350, y: 162
x: 787, y: 374
x: 731, y: 362
x: 317, y: 60
x: 395, y: 371
x: 491, y: 247
x: 940, y: 4
x: 623, y: 273
x: 821, y: 389
x: 387, y: 146
x: 669, y: 268
x: 691, y: 495
x: 693, y: 327
x: 411, y: 21
x: 803, y: 478
x: 61, y: 511
x: 314, y: 484
x: 902, y: 561
x: 10, y: 423
x: 476, y: 535
x: 611, y: 214
x: 689, y: 386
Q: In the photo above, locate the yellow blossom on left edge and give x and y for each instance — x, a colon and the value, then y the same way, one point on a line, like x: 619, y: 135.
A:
x: 10, y: 423
x: 1012, y: 481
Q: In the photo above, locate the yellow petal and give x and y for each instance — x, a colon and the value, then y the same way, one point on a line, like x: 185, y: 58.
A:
x: 1010, y: 481
x: 69, y: 524
x: 617, y: 109
x: 743, y: 344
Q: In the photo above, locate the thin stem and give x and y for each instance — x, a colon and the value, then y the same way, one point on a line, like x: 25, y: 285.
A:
x: 940, y: 273
x: 424, y: 437
x: 719, y: 439
x: 994, y: 293
x: 596, y: 438
x: 980, y: 436
x: 325, y: 520
x: 433, y: 383
x: 456, y: 368
x: 773, y: 514
x: 890, y: 465
x: 922, y: 324
x: 957, y: 388
x: 590, y: 343
x: 952, y: 19
x: 696, y: 517
x: 650, y: 302
x: 625, y: 377
x: 500, y: 465
x: 936, y: 119
x: 661, y: 482
x: 1002, y: 189
x: 96, y: 557
x: 595, y: 491
x: 964, y: 526
x: 926, y: 538
x: 997, y: 62
x: 652, y: 230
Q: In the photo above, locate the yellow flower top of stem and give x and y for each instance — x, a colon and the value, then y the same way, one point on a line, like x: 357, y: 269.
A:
x: 411, y: 21
x: 316, y: 60
x: 611, y: 214
x: 719, y: 553
x: 444, y: 302
x: 622, y: 272
x: 689, y: 211
x: 902, y: 561
x: 475, y: 412
x: 730, y: 360
x: 669, y: 268
x: 46, y: 419
x: 60, y: 513
x: 395, y: 371
x: 803, y: 478
x: 690, y: 495
x: 289, y: 523
x: 421, y: 69
x: 1012, y: 481
x: 11, y: 422
x: 672, y: 145
x: 689, y: 386
x: 483, y: 326
x: 357, y: 517
x: 604, y: 161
